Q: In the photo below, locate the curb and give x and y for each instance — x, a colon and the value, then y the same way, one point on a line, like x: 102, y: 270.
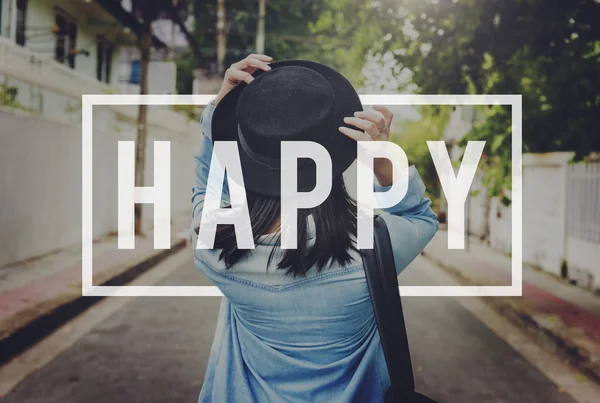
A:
x: 553, y: 334
x: 56, y: 312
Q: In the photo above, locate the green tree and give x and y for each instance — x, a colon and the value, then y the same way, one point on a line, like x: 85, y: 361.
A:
x: 412, y: 136
x: 287, y: 27
x: 347, y: 32
x: 546, y: 50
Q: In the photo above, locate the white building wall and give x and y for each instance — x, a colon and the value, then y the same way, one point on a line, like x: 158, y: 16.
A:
x: 544, y: 212
x: 459, y: 123
x: 476, y: 206
x: 41, y: 14
x: 582, y: 259
x: 5, y: 18
x: 583, y: 222
x: 40, y: 137
x: 45, y: 85
x: 40, y: 179
x: 500, y: 226
x: 40, y: 18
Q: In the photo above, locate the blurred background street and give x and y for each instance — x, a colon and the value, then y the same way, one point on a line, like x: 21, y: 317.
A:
x: 57, y: 346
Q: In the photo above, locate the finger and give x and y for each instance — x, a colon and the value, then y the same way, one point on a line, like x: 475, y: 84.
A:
x: 388, y: 114
x: 263, y: 58
x: 239, y: 75
x: 250, y: 62
x: 354, y: 134
x: 363, y: 124
x: 258, y: 64
x: 373, y: 116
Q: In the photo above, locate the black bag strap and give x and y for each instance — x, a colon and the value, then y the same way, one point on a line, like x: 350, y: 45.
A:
x: 380, y: 271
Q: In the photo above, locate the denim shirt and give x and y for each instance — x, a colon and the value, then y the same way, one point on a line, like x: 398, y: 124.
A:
x: 304, y: 339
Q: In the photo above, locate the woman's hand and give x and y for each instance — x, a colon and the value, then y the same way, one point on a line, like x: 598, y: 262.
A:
x: 242, y: 72
x: 373, y: 125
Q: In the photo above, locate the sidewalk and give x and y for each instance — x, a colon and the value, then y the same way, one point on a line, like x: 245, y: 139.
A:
x: 39, y: 295
x: 563, y: 317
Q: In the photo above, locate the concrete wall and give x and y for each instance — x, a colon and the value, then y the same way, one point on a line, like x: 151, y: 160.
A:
x: 583, y: 222
x: 544, y: 212
x: 40, y: 179
x: 582, y: 259
x: 500, y: 226
x: 476, y: 205
x: 547, y: 242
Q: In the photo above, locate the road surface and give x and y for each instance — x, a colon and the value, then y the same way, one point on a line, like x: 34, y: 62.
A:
x: 155, y: 350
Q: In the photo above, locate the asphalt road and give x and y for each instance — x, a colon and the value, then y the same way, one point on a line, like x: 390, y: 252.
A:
x: 156, y: 349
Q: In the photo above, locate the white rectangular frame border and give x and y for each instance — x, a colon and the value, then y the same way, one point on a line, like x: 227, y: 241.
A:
x: 89, y: 101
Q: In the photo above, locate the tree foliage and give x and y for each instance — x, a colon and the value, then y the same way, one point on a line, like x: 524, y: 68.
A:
x: 412, y: 136
x: 546, y: 50
x: 288, y: 33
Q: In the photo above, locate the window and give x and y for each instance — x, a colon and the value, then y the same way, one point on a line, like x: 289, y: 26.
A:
x: 100, y: 51
x: 21, y: 14
x: 72, y: 44
x: 59, y: 49
x: 66, y: 39
x: 104, y: 56
x: 109, y: 58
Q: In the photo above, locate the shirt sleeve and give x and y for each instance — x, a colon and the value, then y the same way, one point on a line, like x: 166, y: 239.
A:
x: 202, y: 160
x: 411, y: 223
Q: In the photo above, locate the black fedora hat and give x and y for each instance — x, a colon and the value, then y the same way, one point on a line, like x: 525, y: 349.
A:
x: 297, y: 100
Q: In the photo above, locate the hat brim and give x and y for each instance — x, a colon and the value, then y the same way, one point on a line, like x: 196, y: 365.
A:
x: 259, y: 178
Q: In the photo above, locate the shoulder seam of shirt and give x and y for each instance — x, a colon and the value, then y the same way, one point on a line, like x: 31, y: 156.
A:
x: 276, y: 289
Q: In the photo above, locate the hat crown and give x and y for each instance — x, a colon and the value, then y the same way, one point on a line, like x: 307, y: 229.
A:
x: 290, y: 103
